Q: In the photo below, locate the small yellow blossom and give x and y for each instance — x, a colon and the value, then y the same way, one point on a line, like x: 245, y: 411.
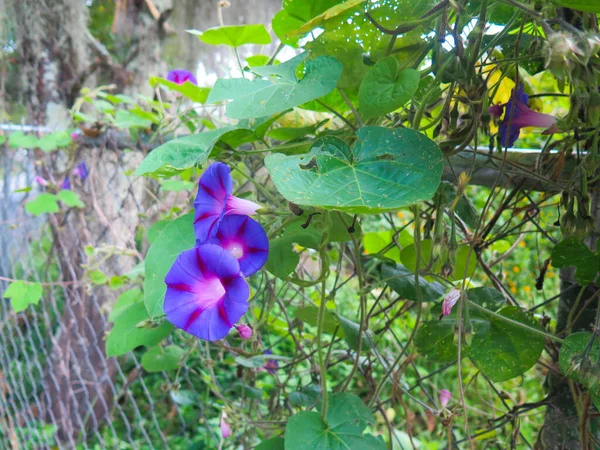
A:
x: 527, y: 289
x: 516, y: 269
x: 513, y: 290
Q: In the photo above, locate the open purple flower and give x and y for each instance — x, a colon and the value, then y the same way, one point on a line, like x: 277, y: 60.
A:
x: 245, y: 239
x: 81, y: 171
x: 206, y: 294
x: 180, y: 76
x: 214, y: 201
x: 518, y: 115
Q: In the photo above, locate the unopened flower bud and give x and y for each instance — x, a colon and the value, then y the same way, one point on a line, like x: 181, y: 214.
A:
x: 245, y: 331
x: 445, y: 396
x: 225, y: 428
x: 449, y: 301
x: 41, y: 181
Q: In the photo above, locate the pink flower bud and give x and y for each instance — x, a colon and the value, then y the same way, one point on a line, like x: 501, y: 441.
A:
x: 445, y: 396
x: 245, y: 331
x: 449, y: 302
x: 41, y: 181
x: 74, y: 135
x: 225, y: 428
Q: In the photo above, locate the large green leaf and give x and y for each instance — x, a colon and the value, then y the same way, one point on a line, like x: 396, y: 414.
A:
x: 592, y: 6
x: 386, y: 170
x: 183, y: 153
x: 275, y: 443
x: 579, y: 358
x: 189, y: 90
x: 279, y: 89
x: 22, y: 294
x: 173, y: 239
x: 386, y: 89
x: 402, y: 281
x: 159, y: 359
x: 282, y: 258
x: 347, y: 417
x: 503, y: 350
x: 235, y: 35
x: 296, y: 13
x: 126, y: 335
x: 42, y: 204
x: 573, y: 252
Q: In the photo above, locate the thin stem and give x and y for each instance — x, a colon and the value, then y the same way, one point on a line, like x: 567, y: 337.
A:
x: 351, y: 106
x: 329, y: 108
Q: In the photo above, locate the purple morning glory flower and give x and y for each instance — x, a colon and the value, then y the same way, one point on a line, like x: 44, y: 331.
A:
x: 66, y: 183
x: 206, y: 294
x: 180, y: 76
x: 271, y: 365
x: 81, y: 171
x: 214, y: 201
x: 518, y: 115
x: 245, y: 239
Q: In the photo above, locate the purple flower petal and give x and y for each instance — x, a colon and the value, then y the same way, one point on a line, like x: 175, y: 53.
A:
x: 205, y: 294
x: 66, y: 183
x: 214, y: 188
x: 495, y: 110
x: 518, y: 115
x: 41, y: 181
x: 445, y: 396
x: 180, y: 76
x: 81, y: 171
x: 245, y: 239
x: 214, y: 201
x: 449, y: 301
x: 271, y: 365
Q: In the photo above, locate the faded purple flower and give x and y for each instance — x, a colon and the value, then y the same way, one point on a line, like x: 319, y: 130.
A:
x: 449, y: 301
x: 206, y: 294
x: 445, y: 396
x: 225, y: 428
x: 75, y: 134
x: 66, y: 183
x: 214, y: 201
x: 180, y: 76
x: 271, y: 365
x: 245, y: 331
x: 496, y: 110
x: 41, y: 181
x: 245, y: 239
x: 81, y: 171
x: 518, y: 115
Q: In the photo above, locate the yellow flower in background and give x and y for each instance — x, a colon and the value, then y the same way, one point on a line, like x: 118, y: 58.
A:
x: 527, y: 289
x: 513, y: 290
x: 522, y: 244
x: 516, y: 269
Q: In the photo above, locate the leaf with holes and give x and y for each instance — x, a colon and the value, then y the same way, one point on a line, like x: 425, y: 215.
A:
x: 386, y: 89
x: 385, y: 170
x: 343, y: 427
x: 278, y: 89
x: 174, y: 238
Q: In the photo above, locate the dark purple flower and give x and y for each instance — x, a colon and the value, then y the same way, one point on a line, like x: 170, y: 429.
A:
x: 81, y: 171
x: 206, y: 294
x: 518, y: 115
x: 245, y: 239
x: 496, y: 110
x: 214, y: 201
x: 180, y: 76
x: 271, y: 365
x: 66, y: 183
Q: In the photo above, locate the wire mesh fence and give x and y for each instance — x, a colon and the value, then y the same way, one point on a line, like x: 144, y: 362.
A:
x: 57, y: 386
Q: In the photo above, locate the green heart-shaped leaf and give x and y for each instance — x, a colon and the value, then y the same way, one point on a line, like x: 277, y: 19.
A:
x: 385, y: 89
x: 386, y: 170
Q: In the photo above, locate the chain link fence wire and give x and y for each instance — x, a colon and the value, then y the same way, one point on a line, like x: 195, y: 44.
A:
x: 57, y: 386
